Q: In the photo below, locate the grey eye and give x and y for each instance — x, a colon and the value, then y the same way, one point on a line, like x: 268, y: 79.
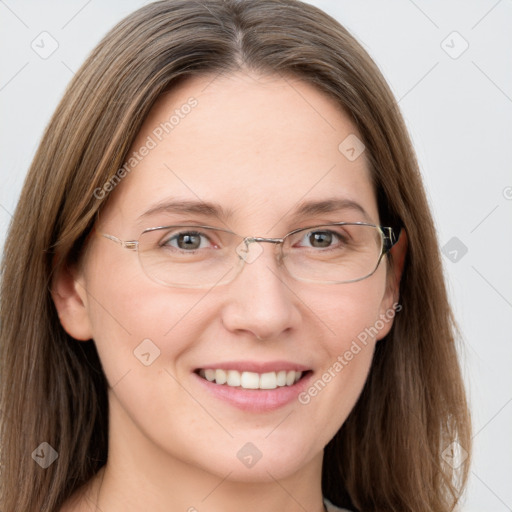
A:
x: 185, y: 240
x: 320, y: 238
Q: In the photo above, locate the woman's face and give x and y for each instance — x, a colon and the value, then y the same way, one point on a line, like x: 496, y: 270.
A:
x: 260, y: 147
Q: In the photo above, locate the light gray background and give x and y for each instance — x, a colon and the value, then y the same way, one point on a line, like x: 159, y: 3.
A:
x: 459, y: 113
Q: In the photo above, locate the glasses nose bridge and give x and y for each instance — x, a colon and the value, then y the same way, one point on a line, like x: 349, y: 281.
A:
x: 246, y: 256
x: 276, y: 241
x: 251, y: 239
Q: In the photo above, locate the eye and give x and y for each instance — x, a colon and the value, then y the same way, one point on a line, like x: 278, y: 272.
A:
x: 322, y: 239
x: 186, y: 240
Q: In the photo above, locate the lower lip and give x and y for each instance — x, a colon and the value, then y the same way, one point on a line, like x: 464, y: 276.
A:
x: 256, y: 400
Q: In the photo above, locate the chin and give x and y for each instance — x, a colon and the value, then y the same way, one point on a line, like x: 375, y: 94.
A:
x: 261, y: 461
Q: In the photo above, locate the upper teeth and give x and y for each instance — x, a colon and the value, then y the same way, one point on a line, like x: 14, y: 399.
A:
x: 252, y: 380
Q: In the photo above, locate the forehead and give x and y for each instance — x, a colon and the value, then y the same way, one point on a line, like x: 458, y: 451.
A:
x: 260, y: 146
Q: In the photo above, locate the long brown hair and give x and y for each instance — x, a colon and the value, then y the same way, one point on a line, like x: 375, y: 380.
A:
x: 388, y: 455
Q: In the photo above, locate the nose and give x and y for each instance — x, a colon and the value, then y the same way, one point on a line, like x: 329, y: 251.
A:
x: 260, y: 300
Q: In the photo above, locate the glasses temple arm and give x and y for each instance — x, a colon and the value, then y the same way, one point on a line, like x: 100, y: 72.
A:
x: 130, y: 244
x: 391, y: 238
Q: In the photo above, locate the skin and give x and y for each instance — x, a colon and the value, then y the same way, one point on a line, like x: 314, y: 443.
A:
x: 258, y: 145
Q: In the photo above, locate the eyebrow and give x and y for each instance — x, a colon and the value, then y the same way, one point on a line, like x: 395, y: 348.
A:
x: 210, y: 209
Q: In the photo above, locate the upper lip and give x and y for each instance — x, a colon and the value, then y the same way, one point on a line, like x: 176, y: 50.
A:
x: 255, y: 366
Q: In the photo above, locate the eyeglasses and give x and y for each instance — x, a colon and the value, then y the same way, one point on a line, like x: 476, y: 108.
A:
x: 187, y: 256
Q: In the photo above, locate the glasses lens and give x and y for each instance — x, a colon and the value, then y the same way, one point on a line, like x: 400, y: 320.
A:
x: 188, y: 256
x: 199, y: 257
x: 333, y: 253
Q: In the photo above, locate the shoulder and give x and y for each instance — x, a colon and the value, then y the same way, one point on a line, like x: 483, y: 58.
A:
x: 333, y: 508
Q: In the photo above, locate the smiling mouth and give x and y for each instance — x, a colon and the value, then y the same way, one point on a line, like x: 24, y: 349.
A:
x: 252, y: 380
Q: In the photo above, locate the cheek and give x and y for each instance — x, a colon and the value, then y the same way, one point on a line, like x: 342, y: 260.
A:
x: 136, y: 323
x: 349, y: 311
x: 353, y: 326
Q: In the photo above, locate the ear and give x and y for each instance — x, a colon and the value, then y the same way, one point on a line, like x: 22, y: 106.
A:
x: 70, y: 299
x: 392, y: 295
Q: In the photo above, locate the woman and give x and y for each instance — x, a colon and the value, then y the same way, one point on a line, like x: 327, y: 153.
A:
x: 222, y: 284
